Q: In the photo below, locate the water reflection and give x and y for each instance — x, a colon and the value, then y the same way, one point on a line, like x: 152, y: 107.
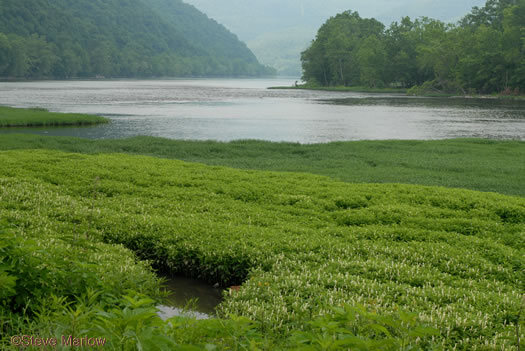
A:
x: 244, y: 109
x: 414, y: 101
x: 190, y: 297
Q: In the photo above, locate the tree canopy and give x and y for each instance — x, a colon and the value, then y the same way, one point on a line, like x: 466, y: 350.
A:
x: 483, y: 53
x: 117, y: 38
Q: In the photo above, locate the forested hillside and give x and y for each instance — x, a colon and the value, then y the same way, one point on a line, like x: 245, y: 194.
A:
x: 483, y: 53
x: 117, y: 38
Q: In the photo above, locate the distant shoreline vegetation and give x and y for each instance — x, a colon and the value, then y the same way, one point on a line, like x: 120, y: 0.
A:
x: 38, y: 117
x: 357, y: 89
x: 482, y: 54
x: 406, y: 92
x: 124, y: 78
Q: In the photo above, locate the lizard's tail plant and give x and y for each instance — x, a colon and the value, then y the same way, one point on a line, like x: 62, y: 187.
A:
x: 518, y: 341
x: 92, y: 210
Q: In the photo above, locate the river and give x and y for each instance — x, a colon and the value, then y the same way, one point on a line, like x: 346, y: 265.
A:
x: 232, y: 109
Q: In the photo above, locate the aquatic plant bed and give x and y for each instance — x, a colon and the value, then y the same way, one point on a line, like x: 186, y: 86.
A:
x: 298, y: 244
x: 39, y: 117
x: 475, y: 164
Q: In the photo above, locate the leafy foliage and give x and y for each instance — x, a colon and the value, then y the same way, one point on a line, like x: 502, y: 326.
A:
x: 300, y: 244
x: 484, y: 53
x: 359, y: 329
x: 132, y: 323
x: 132, y: 38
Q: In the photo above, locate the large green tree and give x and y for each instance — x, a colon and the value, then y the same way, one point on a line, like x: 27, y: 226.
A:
x: 372, y: 61
x: 484, y: 52
x: 336, y: 48
x: 401, y: 40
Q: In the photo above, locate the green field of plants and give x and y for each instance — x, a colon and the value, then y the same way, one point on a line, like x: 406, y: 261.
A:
x: 476, y: 164
x: 300, y: 245
x: 39, y: 117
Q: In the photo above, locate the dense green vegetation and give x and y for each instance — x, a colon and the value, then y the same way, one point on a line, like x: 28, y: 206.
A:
x: 132, y: 38
x: 483, y: 53
x: 486, y: 165
x: 300, y: 244
x: 58, y: 285
x: 38, y: 117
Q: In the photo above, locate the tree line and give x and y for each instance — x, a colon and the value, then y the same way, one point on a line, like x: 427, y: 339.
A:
x: 35, y: 57
x: 482, y: 53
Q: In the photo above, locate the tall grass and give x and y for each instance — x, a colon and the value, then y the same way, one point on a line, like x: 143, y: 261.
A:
x: 38, y: 117
x: 477, y: 164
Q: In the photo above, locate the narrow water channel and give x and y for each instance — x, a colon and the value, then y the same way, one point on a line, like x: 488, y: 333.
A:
x: 182, y: 291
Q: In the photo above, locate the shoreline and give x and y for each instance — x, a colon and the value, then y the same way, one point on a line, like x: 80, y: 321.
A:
x: 343, y: 89
x: 358, y: 89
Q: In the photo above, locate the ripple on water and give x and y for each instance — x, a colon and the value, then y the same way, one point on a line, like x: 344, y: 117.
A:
x: 233, y: 109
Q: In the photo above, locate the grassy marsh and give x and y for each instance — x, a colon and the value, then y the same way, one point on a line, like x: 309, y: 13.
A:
x: 476, y: 164
x: 38, y: 117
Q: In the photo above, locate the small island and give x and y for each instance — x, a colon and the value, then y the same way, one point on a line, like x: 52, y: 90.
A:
x: 40, y: 117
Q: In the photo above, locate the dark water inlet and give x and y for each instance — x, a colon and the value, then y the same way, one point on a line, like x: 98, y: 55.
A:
x: 182, y: 291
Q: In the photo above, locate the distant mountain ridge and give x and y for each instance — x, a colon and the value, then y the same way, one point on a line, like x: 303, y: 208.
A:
x: 117, y: 38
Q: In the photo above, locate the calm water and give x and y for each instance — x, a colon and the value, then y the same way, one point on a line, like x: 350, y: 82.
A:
x: 182, y: 290
x: 233, y: 109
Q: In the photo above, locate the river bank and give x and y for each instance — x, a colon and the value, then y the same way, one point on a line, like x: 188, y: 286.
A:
x: 362, y: 89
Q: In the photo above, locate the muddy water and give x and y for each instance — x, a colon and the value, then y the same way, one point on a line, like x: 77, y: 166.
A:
x: 182, y: 291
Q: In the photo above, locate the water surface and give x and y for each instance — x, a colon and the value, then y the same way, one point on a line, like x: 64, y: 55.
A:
x: 190, y: 297
x: 232, y: 109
